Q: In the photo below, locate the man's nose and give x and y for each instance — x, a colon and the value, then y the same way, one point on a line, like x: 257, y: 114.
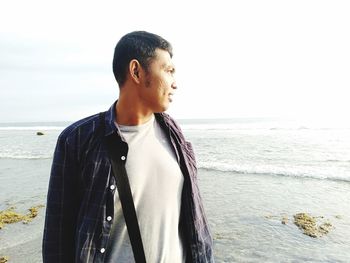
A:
x: 174, y: 85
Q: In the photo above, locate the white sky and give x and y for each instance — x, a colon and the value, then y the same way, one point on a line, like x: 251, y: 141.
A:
x: 233, y: 58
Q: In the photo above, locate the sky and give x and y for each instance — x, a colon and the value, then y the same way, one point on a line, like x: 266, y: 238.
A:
x: 234, y: 59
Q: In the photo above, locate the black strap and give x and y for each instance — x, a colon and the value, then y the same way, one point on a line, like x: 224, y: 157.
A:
x: 125, y: 197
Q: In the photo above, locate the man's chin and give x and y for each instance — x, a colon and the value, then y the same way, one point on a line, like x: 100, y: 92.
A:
x: 163, y: 108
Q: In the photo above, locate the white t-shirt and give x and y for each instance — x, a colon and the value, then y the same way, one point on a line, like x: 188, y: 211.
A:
x: 156, y: 184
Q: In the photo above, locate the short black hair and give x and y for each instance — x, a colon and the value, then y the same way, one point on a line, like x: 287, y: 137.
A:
x: 139, y: 45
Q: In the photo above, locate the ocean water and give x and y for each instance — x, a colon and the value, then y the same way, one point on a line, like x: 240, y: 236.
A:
x: 263, y: 146
x: 252, y: 173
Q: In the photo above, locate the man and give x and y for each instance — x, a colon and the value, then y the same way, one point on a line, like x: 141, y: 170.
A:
x: 84, y: 217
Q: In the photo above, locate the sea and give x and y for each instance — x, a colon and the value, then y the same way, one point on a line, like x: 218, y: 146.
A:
x: 254, y: 175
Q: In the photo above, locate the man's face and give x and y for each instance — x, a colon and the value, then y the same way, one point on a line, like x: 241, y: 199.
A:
x: 159, y: 84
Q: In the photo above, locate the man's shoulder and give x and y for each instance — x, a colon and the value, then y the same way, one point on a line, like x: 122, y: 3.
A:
x: 82, y: 128
x: 170, y: 120
x: 171, y: 123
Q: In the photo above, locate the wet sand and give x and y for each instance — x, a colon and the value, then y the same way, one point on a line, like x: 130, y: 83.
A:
x: 28, y: 252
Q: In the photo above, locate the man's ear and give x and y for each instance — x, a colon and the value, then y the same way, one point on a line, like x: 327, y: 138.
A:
x: 135, y: 70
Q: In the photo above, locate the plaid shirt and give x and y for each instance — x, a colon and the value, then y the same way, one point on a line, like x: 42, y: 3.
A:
x: 80, y: 197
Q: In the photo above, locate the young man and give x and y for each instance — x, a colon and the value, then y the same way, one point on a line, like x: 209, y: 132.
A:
x: 84, y: 217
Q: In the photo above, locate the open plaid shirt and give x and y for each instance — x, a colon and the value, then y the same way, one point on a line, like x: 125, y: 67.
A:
x: 80, y: 197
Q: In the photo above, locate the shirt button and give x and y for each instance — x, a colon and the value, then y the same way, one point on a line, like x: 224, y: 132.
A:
x: 102, y: 250
x: 109, y: 218
x: 123, y: 158
x: 112, y: 187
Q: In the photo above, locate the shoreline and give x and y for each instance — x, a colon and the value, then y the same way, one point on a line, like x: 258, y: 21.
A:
x: 245, y: 214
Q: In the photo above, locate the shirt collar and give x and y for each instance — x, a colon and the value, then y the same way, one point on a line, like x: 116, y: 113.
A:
x: 110, y: 121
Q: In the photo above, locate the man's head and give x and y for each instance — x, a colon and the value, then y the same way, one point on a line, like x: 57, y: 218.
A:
x: 144, y: 70
x: 139, y: 45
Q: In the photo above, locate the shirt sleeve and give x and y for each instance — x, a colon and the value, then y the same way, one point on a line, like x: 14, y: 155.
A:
x: 62, y: 204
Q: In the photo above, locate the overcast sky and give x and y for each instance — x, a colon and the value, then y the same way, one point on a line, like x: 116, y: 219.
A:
x: 233, y: 58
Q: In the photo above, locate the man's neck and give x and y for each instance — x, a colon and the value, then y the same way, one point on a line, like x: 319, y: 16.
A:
x: 131, y: 116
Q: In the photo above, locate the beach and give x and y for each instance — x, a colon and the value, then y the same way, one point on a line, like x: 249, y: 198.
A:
x: 24, y: 185
x: 253, y: 179
x: 245, y: 214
